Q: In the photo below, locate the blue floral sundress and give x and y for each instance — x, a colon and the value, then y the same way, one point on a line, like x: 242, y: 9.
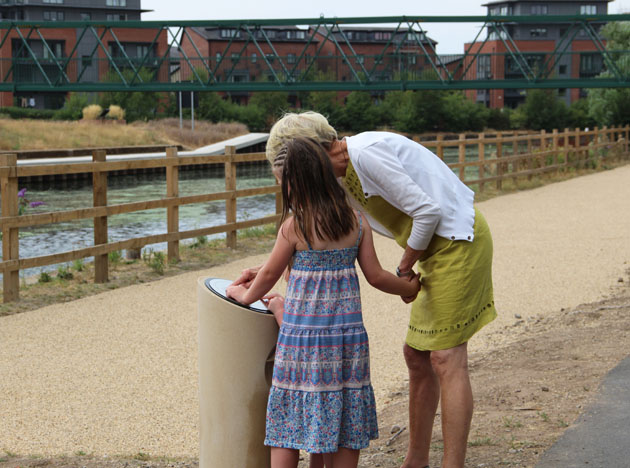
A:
x: 321, y: 397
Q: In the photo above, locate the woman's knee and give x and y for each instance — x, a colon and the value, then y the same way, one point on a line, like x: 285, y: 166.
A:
x: 450, y: 360
x: 417, y: 361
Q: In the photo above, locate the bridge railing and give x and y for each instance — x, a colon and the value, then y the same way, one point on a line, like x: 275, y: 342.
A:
x: 479, y: 160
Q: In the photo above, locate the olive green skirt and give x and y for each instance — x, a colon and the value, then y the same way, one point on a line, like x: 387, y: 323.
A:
x: 456, y: 299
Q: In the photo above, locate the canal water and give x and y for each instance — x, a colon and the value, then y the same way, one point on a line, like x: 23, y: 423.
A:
x: 75, y: 194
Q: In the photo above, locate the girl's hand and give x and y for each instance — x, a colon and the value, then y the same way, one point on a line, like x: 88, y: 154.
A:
x: 274, y: 302
x: 415, y: 288
x: 247, y: 276
x: 236, y: 292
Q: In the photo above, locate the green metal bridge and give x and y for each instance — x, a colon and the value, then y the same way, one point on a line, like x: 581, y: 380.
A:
x: 308, y: 54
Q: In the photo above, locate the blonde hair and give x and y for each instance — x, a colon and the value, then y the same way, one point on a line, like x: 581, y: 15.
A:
x: 307, y: 124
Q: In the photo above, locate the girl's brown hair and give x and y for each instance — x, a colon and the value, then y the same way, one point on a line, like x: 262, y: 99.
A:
x: 310, y: 190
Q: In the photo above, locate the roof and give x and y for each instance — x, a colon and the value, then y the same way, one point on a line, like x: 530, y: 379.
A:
x: 541, y: 1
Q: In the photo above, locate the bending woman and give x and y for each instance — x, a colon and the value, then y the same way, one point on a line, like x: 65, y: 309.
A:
x: 410, y: 195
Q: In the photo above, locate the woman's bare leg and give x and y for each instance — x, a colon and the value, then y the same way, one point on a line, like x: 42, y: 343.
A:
x: 284, y: 457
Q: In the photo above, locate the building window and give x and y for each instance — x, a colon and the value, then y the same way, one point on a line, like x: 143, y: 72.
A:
x: 291, y: 58
x: 234, y: 57
x: 483, y: 67
x: 56, y: 50
x: 86, y: 16
x: 588, y: 9
x: 591, y: 64
x: 562, y: 69
x: 270, y: 57
x: 53, y: 16
x: 86, y: 61
x: 58, y: 2
x: 501, y: 11
x: 538, y: 32
x: 116, y: 3
x: 218, y: 56
x: 117, y: 17
x: 228, y: 33
x: 254, y: 58
x: 539, y: 9
x: 295, y: 35
x: 382, y: 36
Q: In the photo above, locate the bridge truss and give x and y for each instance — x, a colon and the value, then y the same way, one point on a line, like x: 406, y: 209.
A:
x: 320, y: 54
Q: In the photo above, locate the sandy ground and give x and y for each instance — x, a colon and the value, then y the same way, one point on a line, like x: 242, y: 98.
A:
x: 115, y: 374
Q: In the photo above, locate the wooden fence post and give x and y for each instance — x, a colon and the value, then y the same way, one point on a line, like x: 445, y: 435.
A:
x: 565, y: 150
x: 172, y: 212
x: 230, y: 203
x: 554, y: 147
x: 440, y: 149
x: 578, y: 147
x: 481, y: 149
x: 99, y: 196
x: 500, y: 168
x: 462, y: 156
x: 10, y: 236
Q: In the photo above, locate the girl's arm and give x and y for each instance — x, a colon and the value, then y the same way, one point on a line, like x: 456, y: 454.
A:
x: 376, y: 275
x: 272, y: 269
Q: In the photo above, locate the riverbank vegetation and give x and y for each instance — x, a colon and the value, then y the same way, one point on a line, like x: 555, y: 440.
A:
x: 28, y: 134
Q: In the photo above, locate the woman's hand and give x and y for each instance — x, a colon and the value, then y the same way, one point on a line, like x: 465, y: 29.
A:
x: 247, y: 276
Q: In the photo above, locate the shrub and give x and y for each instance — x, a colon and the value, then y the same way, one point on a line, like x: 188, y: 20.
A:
x: 92, y: 112
x: 73, y: 107
x: 63, y: 273
x: 155, y: 260
x: 78, y: 265
x: 27, y: 113
x: 116, y: 112
x: 44, y: 278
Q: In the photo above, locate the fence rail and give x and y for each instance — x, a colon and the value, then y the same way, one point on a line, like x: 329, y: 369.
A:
x: 478, y: 161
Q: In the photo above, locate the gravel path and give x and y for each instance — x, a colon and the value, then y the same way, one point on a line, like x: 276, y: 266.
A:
x: 116, y: 373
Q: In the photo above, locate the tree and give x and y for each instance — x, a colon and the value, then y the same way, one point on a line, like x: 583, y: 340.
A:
x: 543, y: 110
x: 359, y: 113
x: 611, y: 106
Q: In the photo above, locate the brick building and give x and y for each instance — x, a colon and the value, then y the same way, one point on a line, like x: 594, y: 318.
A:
x: 372, y: 49
x: 84, y: 64
x: 537, y: 41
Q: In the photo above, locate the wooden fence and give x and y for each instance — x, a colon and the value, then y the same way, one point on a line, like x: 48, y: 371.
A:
x: 478, y: 161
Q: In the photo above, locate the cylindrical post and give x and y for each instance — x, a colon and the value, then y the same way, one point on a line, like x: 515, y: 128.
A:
x: 230, y: 203
x: 10, y: 235
x: 99, y: 194
x: 172, y: 212
x: 462, y: 157
x: 482, y: 157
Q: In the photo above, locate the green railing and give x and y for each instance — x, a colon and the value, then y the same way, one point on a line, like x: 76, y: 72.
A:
x: 324, y: 54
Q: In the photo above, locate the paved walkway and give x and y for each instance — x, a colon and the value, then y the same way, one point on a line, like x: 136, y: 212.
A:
x: 600, y: 436
x: 117, y: 373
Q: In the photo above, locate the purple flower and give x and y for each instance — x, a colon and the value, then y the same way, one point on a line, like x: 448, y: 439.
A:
x: 22, y: 192
x: 35, y: 203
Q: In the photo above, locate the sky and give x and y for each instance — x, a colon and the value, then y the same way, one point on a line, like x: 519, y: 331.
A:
x: 451, y: 37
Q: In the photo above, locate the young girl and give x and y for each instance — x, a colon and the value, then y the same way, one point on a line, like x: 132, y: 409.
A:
x: 321, y: 398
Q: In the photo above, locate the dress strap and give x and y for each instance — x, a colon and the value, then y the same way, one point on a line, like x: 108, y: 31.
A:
x: 360, y: 229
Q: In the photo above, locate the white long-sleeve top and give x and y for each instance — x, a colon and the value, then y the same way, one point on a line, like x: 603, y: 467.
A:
x: 414, y: 180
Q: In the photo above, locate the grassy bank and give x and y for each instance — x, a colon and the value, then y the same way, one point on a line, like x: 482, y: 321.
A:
x: 28, y: 134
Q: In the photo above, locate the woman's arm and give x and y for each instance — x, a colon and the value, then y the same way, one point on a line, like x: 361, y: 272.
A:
x: 376, y: 275
x: 271, y: 270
